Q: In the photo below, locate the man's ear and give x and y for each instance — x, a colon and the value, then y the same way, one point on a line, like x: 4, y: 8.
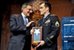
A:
x: 47, y: 8
x: 21, y: 9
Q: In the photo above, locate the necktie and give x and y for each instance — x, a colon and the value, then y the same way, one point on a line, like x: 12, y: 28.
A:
x: 25, y: 21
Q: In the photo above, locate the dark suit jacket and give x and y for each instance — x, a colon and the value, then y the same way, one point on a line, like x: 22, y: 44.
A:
x: 49, y: 32
x: 19, y: 33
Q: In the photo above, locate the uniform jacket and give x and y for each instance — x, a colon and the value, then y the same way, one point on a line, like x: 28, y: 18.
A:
x: 50, y: 30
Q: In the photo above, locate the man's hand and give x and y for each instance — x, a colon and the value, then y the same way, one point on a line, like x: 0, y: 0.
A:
x: 31, y: 31
x: 29, y: 24
x: 40, y: 43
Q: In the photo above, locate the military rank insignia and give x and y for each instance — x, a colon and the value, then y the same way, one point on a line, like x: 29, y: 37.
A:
x: 47, y: 21
x: 57, y: 24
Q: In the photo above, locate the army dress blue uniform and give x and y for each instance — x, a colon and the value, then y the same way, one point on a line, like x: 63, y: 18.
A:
x: 50, y: 31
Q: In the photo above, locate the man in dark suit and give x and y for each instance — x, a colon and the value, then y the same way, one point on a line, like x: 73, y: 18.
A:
x: 50, y: 28
x: 19, y: 27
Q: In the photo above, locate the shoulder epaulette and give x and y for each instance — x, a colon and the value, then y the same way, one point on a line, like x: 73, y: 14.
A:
x: 53, y: 15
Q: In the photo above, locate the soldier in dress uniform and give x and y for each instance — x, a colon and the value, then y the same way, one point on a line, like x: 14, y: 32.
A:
x: 50, y: 28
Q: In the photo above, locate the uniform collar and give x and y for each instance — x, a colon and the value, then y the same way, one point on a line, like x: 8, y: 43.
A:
x: 46, y: 14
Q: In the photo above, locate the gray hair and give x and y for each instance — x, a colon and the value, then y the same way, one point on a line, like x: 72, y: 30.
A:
x: 25, y: 5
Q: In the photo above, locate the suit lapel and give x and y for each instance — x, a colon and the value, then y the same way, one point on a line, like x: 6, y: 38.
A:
x: 21, y: 19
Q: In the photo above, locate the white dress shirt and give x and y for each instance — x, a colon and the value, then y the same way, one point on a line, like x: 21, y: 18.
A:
x: 25, y: 19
